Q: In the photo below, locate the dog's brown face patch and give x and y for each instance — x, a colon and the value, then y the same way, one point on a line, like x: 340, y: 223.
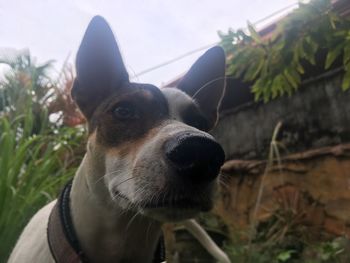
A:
x: 128, y: 116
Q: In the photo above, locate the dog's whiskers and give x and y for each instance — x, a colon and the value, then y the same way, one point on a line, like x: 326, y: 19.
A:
x: 148, y: 229
x: 154, y: 197
x: 131, y: 220
x: 107, y: 174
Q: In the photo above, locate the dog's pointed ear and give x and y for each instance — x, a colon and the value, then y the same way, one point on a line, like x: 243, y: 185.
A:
x: 99, y: 65
x: 205, y: 83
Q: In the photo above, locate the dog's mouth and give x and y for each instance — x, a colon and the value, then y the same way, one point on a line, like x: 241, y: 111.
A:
x: 175, y: 202
x: 180, y: 203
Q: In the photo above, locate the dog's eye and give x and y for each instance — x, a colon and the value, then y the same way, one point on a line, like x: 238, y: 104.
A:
x: 125, y: 111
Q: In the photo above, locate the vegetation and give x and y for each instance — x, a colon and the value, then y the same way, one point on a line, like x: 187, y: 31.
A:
x: 319, y: 252
x: 310, y: 37
x: 37, y: 156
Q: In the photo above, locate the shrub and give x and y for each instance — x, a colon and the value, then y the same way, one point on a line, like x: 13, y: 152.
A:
x: 310, y: 39
x: 36, y: 156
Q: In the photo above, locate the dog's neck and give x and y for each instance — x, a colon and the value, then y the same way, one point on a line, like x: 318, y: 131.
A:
x: 107, y: 233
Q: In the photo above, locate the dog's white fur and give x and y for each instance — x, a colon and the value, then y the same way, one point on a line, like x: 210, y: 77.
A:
x: 33, y: 239
x: 177, y: 100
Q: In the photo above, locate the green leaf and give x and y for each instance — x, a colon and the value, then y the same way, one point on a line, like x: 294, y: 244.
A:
x: 299, y: 50
x: 309, y: 52
x: 266, y: 90
x: 258, y: 88
x: 254, y: 70
x: 333, y: 19
x: 293, y: 80
x: 346, y: 80
x: 285, y: 255
x: 255, y: 35
x: 346, y: 56
x: 313, y: 44
x: 332, y: 55
x: 300, y: 68
x: 278, y: 85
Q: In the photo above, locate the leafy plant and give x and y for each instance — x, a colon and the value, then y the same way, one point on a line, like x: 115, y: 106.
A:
x: 32, y: 170
x: 275, y: 65
x: 330, y: 250
x: 63, y: 104
x: 284, y: 256
x: 36, y: 156
x: 26, y: 87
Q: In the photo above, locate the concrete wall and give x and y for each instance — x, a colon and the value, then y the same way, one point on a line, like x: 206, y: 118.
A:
x: 317, y: 115
x: 313, y: 185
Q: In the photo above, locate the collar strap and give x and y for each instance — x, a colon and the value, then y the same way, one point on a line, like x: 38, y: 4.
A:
x: 63, y: 242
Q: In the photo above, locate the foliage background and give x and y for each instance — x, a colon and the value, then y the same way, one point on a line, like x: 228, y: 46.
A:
x: 37, y: 155
x: 309, y: 41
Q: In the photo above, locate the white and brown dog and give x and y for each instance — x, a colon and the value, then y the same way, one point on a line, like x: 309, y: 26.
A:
x: 149, y: 159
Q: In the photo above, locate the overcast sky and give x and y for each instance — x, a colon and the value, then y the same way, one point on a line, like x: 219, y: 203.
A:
x: 149, y: 32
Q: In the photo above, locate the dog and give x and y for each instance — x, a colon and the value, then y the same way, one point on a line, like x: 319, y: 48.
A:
x: 149, y: 159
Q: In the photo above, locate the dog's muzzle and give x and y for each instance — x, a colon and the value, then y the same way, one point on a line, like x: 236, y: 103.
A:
x: 195, y: 157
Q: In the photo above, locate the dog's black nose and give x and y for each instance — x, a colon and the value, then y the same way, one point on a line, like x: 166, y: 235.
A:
x: 197, y: 157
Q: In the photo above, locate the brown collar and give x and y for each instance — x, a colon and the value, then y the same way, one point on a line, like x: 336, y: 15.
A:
x: 63, y: 242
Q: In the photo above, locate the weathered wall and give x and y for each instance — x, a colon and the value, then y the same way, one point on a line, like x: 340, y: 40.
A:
x: 314, y: 185
x: 313, y: 179
x: 315, y: 116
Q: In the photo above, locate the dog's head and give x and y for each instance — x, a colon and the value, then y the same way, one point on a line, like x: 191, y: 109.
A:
x: 151, y: 145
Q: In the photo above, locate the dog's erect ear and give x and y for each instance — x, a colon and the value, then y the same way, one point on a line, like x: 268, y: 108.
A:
x: 205, y: 82
x: 99, y: 65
